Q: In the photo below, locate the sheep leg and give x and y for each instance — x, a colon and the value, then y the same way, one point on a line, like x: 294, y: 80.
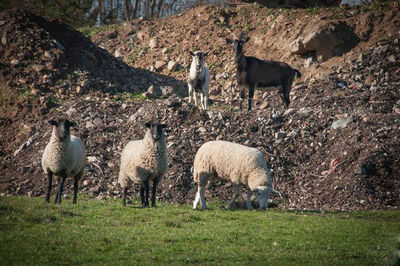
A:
x: 197, y: 199
x: 202, y: 198
x: 248, y: 203
x: 60, y: 189
x: 76, y: 179
x: 142, y: 195
x: 124, y: 196
x: 251, y: 94
x: 235, y: 195
x: 49, y: 184
x: 146, y: 190
x: 153, y: 193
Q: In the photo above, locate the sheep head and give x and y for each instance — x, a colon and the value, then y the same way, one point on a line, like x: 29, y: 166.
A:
x: 156, y: 129
x: 61, y: 128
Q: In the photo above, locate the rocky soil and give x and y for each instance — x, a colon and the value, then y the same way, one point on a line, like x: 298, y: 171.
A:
x: 336, y: 148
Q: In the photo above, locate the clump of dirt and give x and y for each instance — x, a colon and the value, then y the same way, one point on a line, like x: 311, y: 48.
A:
x: 336, y: 148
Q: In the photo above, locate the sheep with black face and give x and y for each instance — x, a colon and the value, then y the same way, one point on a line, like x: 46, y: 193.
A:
x: 143, y: 161
x: 63, y: 156
x: 199, y: 79
x: 254, y: 73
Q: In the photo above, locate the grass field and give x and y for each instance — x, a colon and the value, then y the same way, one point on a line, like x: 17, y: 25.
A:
x: 102, y: 232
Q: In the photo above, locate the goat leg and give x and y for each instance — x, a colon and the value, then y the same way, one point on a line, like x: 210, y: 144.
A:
x: 242, y: 95
x: 251, y: 95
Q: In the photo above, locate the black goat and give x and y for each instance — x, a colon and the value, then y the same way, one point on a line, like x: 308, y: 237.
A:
x: 255, y: 73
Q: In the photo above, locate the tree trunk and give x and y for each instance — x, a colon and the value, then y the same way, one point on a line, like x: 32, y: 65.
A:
x: 129, y: 9
x: 151, y: 7
x: 160, y: 3
x: 134, y: 9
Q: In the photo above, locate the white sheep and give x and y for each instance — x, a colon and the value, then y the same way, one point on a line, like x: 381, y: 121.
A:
x: 237, y: 163
x: 199, y: 79
x: 143, y: 161
x: 63, y: 156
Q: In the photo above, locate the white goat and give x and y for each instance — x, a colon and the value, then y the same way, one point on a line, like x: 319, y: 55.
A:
x: 199, y: 79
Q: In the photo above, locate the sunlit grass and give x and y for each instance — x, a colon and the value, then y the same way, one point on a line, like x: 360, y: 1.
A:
x: 103, y: 232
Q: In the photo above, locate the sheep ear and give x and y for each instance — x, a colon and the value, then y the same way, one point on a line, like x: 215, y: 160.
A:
x: 163, y: 125
x: 229, y: 41
x: 206, y: 54
x: 191, y: 53
x: 52, y: 122
x: 247, y: 39
x: 148, y: 124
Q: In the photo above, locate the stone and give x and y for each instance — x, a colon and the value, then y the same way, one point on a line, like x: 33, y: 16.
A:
x: 330, y: 39
x: 38, y: 68
x: 202, y: 130
x: 215, y: 90
x: 342, y: 123
x: 71, y: 111
x: 49, y: 55
x: 280, y: 135
x: 153, y: 43
x: 297, y: 47
x: 154, y: 91
x: 167, y: 90
x: 79, y: 89
x: 147, y: 95
x: 140, y: 35
x: 89, y: 124
x: 4, y: 39
x: 159, y: 65
x: 91, y: 159
x: 172, y: 65
x: 118, y: 55
x: 14, y: 62
x: 97, y: 121
x: 289, y: 111
x: 308, y: 62
x: 263, y: 105
x: 305, y: 111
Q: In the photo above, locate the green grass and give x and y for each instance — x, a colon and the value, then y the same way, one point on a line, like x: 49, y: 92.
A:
x: 103, y: 232
x: 89, y: 31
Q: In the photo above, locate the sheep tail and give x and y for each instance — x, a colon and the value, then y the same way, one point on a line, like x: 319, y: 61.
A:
x: 298, y: 74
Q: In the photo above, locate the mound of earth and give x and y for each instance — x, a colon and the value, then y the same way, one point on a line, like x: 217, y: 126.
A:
x: 336, y: 148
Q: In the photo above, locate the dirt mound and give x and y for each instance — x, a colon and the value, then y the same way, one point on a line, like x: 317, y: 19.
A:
x: 336, y: 147
x: 43, y: 62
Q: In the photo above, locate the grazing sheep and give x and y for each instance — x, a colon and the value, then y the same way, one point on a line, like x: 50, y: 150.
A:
x: 143, y: 161
x: 263, y: 75
x: 199, y: 79
x: 63, y: 156
x: 234, y: 162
